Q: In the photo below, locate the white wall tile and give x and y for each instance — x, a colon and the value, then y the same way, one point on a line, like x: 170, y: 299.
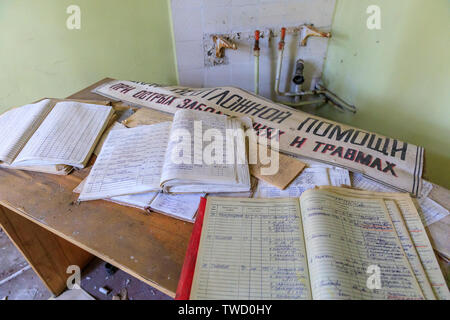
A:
x: 186, y: 3
x: 191, y: 77
x: 218, y: 76
x: 187, y: 24
x: 190, y: 54
x: 216, y: 19
x: 237, y: 3
x: 244, y: 17
x: 271, y: 14
x: 217, y: 3
x: 242, y: 76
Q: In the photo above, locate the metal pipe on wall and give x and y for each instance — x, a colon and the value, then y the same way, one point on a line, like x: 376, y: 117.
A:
x: 322, y: 93
x: 256, y: 54
x: 280, y: 61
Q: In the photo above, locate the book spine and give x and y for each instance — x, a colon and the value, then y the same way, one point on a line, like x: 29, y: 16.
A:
x: 187, y: 272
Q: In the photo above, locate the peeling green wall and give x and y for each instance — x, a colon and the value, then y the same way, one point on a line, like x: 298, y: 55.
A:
x: 398, y: 77
x: 40, y: 57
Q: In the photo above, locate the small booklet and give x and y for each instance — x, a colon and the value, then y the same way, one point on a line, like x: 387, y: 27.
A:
x: 48, y: 136
x: 168, y: 156
x: 331, y: 243
x: 179, y: 206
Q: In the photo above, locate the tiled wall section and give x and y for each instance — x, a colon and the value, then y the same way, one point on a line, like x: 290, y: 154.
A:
x: 194, y: 18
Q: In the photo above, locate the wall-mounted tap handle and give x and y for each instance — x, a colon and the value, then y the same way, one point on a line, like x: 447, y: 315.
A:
x: 222, y: 44
x: 307, y: 31
x: 282, y: 36
x: 256, y: 46
x: 283, y: 33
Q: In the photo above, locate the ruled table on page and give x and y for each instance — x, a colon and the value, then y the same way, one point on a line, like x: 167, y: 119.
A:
x: 18, y: 125
x: 130, y: 161
x: 68, y: 133
x: 344, y: 236
x: 418, y: 236
x: 188, y: 128
x: 423, y: 246
x: 251, y: 249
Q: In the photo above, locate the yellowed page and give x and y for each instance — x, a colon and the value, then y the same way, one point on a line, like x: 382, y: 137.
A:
x: 410, y: 249
x: 345, y: 237
x: 251, y: 249
x: 146, y: 116
x: 404, y: 237
x: 289, y: 169
x: 418, y: 236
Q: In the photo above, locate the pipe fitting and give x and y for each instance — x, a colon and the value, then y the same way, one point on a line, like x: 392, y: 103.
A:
x: 256, y: 48
x: 298, y: 78
x: 282, y: 36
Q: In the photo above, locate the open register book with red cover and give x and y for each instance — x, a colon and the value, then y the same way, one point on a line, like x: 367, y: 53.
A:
x: 331, y: 243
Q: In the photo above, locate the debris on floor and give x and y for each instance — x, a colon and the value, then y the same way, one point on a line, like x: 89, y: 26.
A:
x: 18, y: 281
x: 122, y: 296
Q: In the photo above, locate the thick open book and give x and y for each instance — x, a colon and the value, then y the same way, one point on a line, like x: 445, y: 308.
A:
x: 331, y: 243
x: 171, y: 156
x: 49, y: 135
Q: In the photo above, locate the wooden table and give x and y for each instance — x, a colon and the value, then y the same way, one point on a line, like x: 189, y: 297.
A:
x: 40, y: 214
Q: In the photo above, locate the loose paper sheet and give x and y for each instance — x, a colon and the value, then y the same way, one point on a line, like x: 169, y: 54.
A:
x: 431, y: 211
x: 308, y: 179
x: 289, y: 169
x: 251, y: 249
x: 141, y: 200
x: 145, y: 116
x: 180, y: 206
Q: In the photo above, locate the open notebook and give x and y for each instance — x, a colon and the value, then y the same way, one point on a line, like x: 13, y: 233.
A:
x: 147, y: 159
x: 47, y: 137
x: 327, y: 244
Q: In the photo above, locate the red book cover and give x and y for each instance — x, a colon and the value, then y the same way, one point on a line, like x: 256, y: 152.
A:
x: 187, y: 272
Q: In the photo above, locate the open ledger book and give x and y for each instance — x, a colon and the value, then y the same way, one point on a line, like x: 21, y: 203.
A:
x: 49, y: 136
x: 168, y: 156
x: 331, y: 243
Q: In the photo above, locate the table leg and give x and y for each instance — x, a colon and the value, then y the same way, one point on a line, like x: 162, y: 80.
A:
x: 48, y: 254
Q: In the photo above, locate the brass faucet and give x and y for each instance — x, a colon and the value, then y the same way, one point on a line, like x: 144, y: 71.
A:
x: 221, y: 44
x: 307, y: 31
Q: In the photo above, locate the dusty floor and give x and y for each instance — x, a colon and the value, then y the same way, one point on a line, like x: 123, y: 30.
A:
x: 18, y: 281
